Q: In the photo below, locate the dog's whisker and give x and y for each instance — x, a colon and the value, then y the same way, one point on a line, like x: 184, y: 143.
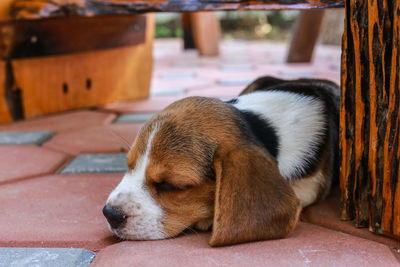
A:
x: 164, y: 234
x: 184, y: 225
x: 129, y: 146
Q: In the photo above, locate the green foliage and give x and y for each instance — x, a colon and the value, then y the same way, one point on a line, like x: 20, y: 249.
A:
x: 275, y: 25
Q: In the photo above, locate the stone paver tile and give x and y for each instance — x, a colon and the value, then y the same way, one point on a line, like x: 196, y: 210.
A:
x: 134, y: 117
x: 234, y: 82
x: 177, y: 76
x: 153, y: 104
x: 97, y: 163
x: 309, y: 245
x: 45, y: 257
x: 327, y: 214
x: 396, y: 252
x: 167, y: 92
x: 56, y: 211
x: 237, y: 67
x: 218, y: 74
x: 25, y: 138
x: 61, y: 122
x: 334, y: 67
x: 186, y: 64
x: 296, y: 74
x: 217, y: 91
x: 182, y: 84
x: 113, y: 138
x: 18, y: 162
x: 332, y: 76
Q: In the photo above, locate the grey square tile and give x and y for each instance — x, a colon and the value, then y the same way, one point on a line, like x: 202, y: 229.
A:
x: 297, y: 74
x: 134, y: 117
x: 334, y: 66
x: 241, y: 67
x: 177, y: 76
x: 185, y: 65
x: 45, y: 257
x: 97, y: 163
x: 231, y: 81
x: 25, y: 138
x: 166, y: 92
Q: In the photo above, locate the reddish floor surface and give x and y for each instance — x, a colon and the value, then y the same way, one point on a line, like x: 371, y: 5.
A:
x: 308, y: 245
x: 42, y: 208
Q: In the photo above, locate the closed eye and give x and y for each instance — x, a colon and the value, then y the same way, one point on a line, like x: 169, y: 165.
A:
x: 167, y: 187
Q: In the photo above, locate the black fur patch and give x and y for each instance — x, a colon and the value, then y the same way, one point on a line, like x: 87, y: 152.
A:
x: 261, y: 130
x: 232, y: 101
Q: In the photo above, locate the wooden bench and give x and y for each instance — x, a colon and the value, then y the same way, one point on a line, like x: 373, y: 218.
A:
x: 370, y: 90
x: 69, y: 62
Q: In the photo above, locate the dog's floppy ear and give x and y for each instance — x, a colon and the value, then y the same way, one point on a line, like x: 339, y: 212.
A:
x: 253, y: 201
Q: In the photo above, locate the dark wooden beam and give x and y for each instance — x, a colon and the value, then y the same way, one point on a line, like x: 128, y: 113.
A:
x: 55, y: 36
x: 33, y: 9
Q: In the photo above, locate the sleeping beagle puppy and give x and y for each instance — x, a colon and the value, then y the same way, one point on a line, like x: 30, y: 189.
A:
x: 244, y: 167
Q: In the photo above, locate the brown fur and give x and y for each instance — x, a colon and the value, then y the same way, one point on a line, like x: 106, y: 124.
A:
x: 199, y: 140
x: 253, y: 201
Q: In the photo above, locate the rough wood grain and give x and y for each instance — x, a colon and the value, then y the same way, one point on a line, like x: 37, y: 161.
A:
x: 33, y: 9
x: 391, y: 184
x: 69, y: 35
x: 58, y: 83
x: 369, y: 134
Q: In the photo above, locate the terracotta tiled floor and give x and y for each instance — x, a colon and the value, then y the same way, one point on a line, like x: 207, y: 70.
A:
x: 40, y: 207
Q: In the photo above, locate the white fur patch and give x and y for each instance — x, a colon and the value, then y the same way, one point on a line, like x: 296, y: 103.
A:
x: 307, y: 189
x: 299, y: 122
x: 132, y: 197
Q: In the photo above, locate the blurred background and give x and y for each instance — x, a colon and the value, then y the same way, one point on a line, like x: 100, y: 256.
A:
x: 87, y: 61
x: 275, y: 26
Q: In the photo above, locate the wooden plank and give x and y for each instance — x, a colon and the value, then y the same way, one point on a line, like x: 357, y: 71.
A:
x: 5, y: 115
x: 70, y: 35
x: 4, y: 112
x: 370, y: 122
x: 206, y: 32
x: 58, y: 83
x: 305, y: 36
x: 5, y: 9
x: 33, y: 9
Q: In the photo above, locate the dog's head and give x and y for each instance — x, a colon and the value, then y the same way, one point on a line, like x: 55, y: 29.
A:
x: 196, y: 164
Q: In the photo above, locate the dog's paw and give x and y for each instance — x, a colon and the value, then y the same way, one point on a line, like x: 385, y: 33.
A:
x: 204, y: 225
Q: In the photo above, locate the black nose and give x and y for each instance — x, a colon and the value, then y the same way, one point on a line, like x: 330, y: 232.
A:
x: 114, y: 217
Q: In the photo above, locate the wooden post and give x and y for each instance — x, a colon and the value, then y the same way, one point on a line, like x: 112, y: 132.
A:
x: 369, y: 120
x: 206, y: 31
x: 4, y: 9
x: 305, y: 35
x: 188, y: 40
x: 5, y: 115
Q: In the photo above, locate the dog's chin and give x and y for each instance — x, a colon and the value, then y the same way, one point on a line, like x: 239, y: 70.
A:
x: 124, y: 234
x: 129, y: 232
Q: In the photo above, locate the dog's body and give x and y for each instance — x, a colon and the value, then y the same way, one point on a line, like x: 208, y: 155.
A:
x: 246, y: 166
